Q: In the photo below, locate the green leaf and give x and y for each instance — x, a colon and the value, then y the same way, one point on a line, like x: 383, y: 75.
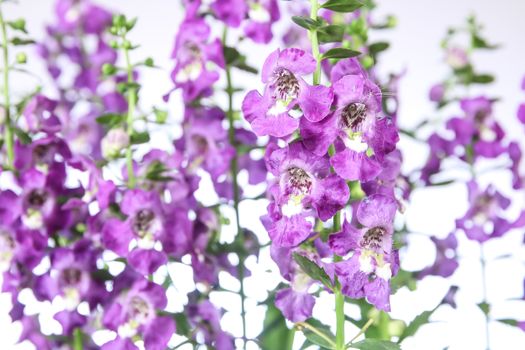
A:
x: 183, y: 326
x: 342, y: 5
x: 22, y: 136
x: 243, y: 66
x: 485, y: 307
x: 157, y: 172
x: 111, y: 120
x: 230, y: 54
x: 131, y: 23
x: 19, y: 41
x: 125, y: 86
x: 18, y: 24
x: 235, y: 59
x: 139, y: 137
x: 509, y: 322
x: 412, y: 328
x: 480, y: 43
x: 307, y: 22
x: 340, y: 53
x: 313, y: 270
x: 325, y: 341
x: 376, y: 48
x: 332, y: 33
x: 275, y: 331
x: 482, y: 78
x: 375, y: 344
x: 160, y: 115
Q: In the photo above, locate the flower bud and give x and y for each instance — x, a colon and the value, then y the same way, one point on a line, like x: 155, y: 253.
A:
x: 114, y: 142
x: 21, y: 57
x: 108, y: 69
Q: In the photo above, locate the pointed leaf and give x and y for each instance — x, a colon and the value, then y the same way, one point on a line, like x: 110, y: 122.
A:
x: 307, y: 22
x: 340, y: 53
x: 313, y: 270
x: 412, y: 328
x: 375, y: 344
x: 342, y: 5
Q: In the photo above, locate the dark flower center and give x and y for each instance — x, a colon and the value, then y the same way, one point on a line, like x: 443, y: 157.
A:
x: 6, y: 241
x: 200, y: 143
x: 71, y: 276
x: 41, y: 151
x: 142, y: 221
x: 353, y: 115
x: 138, y: 308
x: 286, y: 84
x: 373, y: 237
x: 37, y: 197
x: 299, y: 180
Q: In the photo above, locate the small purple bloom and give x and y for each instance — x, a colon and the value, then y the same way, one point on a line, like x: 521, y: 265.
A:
x: 368, y: 271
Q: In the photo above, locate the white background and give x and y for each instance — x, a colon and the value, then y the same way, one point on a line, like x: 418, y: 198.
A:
x: 415, y: 46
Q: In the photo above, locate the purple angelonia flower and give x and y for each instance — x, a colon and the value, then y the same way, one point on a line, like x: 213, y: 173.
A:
x: 304, y: 187
x: 446, y: 260
x: 258, y: 16
x: 515, y: 155
x: 368, y: 271
x: 134, y: 313
x: 361, y: 136
x: 206, y: 318
x: 206, y: 141
x: 143, y: 228
x: 483, y: 220
x: 271, y: 113
x: 193, y: 52
x: 437, y: 93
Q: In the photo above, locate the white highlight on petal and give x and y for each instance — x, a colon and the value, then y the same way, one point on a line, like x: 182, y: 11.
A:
x: 293, y: 207
x: 71, y: 298
x: 355, y: 142
x: 190, y: 72
x: 259, y: 14
x: 279, y: 107
x: 301, y: 282
x: 384, y: 272
x: 33, y: 219
x: 365, y: 263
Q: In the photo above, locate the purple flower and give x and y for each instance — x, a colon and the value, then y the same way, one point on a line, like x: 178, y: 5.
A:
x: 40, y: 115
x: 521, y: 113
x: 296, y: 306
x: 144, y: 226
x: 206, y: 318
x: 206, y: 141
x: 483, y: 220
x: 515, y: 156
x: 270, y: 114
x: 437, y: 93
x: 258, y: 15
x: 368, y: 271
x: 304, y: 183
x: 361, y: 137
x: 446, y: 261
x: 193, y: 52
x: 134, y: 313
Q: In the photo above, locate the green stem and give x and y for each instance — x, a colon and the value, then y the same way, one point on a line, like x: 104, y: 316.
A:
x: 234, y: 169
x: 77, y: 339
x: 291, y: 338
x: 484, y: 291
x: 339, y: 297
x: 314, y: 7
x: 340, y: 318
x: 132, y: 101
x: 8, y: 127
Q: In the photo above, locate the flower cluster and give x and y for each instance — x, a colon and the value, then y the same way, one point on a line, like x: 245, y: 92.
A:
x: 305, y: 122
